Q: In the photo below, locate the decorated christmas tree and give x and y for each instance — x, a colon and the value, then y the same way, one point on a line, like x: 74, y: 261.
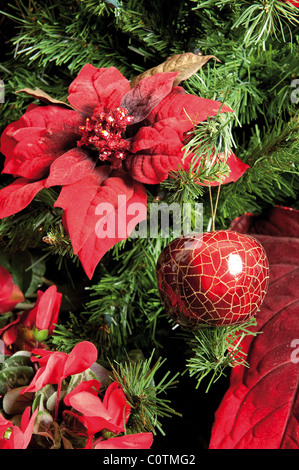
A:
x: 149, y: 225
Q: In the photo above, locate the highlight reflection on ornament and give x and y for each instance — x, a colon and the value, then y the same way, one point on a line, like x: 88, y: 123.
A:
x: 235, y: 264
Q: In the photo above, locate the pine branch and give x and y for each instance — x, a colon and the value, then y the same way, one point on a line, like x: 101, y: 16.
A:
x: 206, y: 143
x: 258, y: 21
x: 264, y: 19
x: 273, y: 177
x: 17, y: 76
x: 182, y: 187
x: 214, y: 349
x: 137, y: 380
x: 76, y: 39
x: 27, y: 228
x: 76, y: 328
x: 59, y: 244
x: 127, y: 298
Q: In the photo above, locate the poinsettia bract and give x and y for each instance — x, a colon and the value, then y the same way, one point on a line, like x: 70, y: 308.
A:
x: 111, y: 142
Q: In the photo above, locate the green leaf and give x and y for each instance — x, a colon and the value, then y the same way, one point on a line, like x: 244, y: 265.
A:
x: 43, y: 396
x: 20, y: 358
x: 27, y: 270
x: 76, y: 379
x: 16, y: 371
x: 5, y: 318
x: 15, y: 377
x: 15, y: 403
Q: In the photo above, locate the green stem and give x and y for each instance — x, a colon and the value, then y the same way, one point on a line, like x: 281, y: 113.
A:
x: 57, y: 400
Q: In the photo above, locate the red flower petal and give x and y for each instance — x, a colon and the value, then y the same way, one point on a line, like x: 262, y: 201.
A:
x: 41, y: 135
x: 50, y: 373
x: 142, y: 440
x: 82, y: 356
x: 116, y: 404
x: 96, y: 246
x: 10, y: 294
x: 163, y: 154
x: 92, y: 386
x: 293, y: 2
x: 56, y: 366
x: 27, y: 425
x: 10, y: 332
x: 188, y: 109
x: 44, y: 314
x: 16, y: 196
x: 147, y: 94
x: 20, y: 436
x: 79, y: 201
x: 70, y: 168
x: 97, y: 87
x: 154, y: 157
x: 260, y: 408
x: 95, y: 416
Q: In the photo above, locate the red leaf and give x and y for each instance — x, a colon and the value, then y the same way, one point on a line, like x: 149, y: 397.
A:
x: 157, y: 152
x: 70, y: 168
x: 96, y: 246
x: 185, y: 109
x: 156, y: 157
x: 41, y: 135
x: 260, y: 408
x: 78, y: 202
x: 107, y: 193
x: 147, y: 94
x: 16, y: 196
x: 97, y: 87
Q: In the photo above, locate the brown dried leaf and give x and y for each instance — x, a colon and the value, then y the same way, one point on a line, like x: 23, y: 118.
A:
x: 42, y: 96
x: 186, y: 64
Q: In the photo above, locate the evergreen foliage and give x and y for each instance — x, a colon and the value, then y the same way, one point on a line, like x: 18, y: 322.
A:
x: 46, y: 43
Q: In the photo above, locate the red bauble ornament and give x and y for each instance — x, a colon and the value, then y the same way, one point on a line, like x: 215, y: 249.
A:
x: 213, y: 278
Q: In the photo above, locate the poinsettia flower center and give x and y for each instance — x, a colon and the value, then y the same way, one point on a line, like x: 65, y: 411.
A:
x: 104, y: 132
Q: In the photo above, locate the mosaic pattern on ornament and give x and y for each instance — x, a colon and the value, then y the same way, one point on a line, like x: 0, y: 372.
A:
x: 201, y: 284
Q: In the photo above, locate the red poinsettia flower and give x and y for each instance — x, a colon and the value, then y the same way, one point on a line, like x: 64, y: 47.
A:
x: 34, y: 325
x: 112, y: 413
x: 113, y: 141
x: 142, y: 440
x: 15, y: 437
x: 10, y: 294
